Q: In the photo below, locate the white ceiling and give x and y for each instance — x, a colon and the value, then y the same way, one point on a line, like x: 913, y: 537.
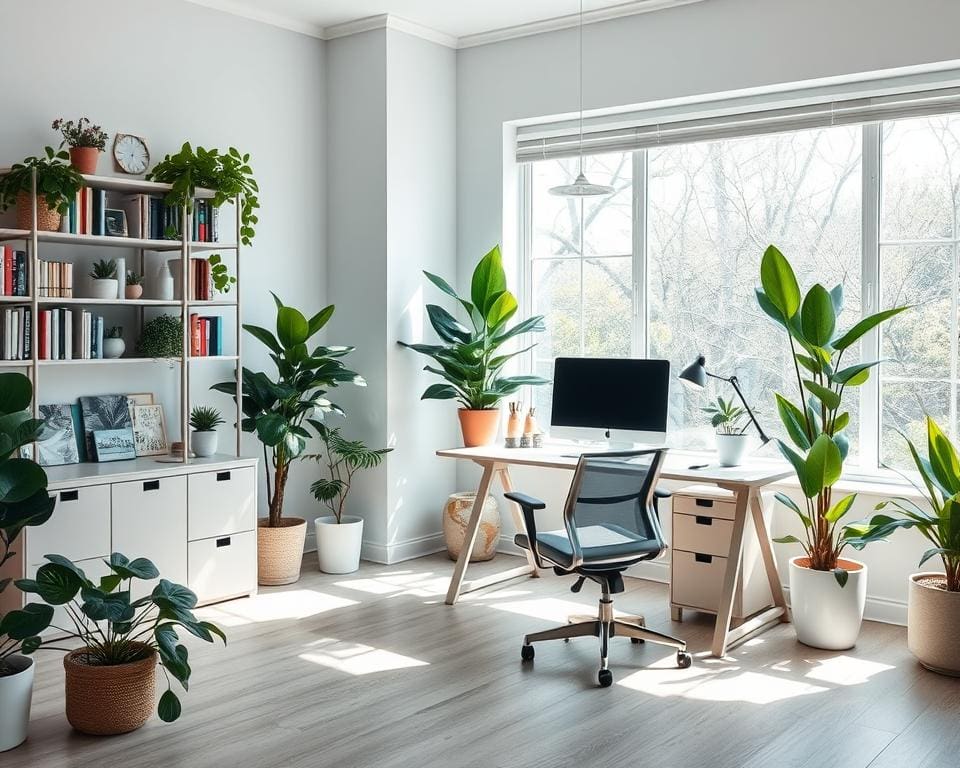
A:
x: 459, y: 20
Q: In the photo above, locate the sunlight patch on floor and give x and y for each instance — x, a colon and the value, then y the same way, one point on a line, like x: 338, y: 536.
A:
x: 422, y: 584
x: 273, y: 606
x: 846, y: 670
x: 355, y: 658
x: 549, y: 608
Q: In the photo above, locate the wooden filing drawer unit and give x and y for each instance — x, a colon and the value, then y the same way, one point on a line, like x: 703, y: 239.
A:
x: 702, y: 529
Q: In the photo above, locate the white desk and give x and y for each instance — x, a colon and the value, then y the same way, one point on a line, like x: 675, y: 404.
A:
x: 744, y: 481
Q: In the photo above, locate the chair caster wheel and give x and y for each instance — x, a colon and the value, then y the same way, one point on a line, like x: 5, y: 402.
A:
x: 684, y: 659
x: 527, y: 653
x: 605, y: 678
x: 637, y: 640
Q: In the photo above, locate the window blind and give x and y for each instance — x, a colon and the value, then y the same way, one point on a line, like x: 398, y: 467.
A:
x: 540, y: 142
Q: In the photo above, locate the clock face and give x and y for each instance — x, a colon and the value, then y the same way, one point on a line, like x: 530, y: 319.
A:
x: 131, y: 153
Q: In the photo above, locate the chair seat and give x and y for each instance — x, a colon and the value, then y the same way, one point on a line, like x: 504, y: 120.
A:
x: 600, y: 544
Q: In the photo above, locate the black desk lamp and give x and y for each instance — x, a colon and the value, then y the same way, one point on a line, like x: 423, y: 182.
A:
x: 695, y: 376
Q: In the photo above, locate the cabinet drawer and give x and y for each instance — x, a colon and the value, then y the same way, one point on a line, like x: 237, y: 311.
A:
x: 222, y: 503
x: 696, y: 579
x: 700, y: 533
x: 78, y: 529
x: 224, y: 566
x: 710, y: 506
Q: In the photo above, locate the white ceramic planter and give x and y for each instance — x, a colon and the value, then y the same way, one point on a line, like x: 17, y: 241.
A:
x: 826, y: 615
x: 104, y: 289
x: 730, y: 449
x: 933, y: 626
x: 113, y: 348
x: 16, y: 692
x: 204, y: 443
x: 338, y: 544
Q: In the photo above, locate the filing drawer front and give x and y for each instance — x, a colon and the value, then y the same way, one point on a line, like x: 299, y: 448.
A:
x: 222, y: 503
x: 701, y: 533
x: 704, y: 505
x: 79, y: 528
x: 220, y: 567
x: 696, y: 579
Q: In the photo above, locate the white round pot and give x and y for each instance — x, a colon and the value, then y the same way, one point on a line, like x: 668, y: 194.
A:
x: 204, y: 443
x: 826, y: 615
x: 933, y: 625
x: 104, y: 289
x: 113, y: 348
x: 730, y: 449
x: 16, y: 692
x: 338, y: 544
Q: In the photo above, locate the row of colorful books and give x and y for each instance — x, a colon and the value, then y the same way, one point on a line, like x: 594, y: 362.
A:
x: 199, y: 281
x: 55, y: 279
x: 69, y: 334
x: 206, y: 335
x: 13, y: 271
x: 87, y: 213
x: 15, y: 332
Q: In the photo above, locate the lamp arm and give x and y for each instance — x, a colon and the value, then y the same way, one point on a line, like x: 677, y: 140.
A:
x: 736, y: 387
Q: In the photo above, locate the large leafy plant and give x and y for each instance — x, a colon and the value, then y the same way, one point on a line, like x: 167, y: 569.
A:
x: 815, y: 426
x: 57, y: 182
x: 283, y: 410
x: 469, y: 358
x: 117, y: 630
x: 228, y: 174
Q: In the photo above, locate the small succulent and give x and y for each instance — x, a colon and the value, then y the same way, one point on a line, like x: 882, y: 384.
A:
x: 205, y: 419
x: 81, y: 133
x: 116, y: 332
x: 134, y: 278
x: 104, y: 270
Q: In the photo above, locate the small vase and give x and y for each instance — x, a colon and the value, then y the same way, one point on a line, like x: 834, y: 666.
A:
x: 134, y: 291
x: 203, y: 444
x: 121, y: 263
x: 456, y: 514
x: 161, y: 286
x: 84, y: 159
x: 113, y: 348
x: 103, y: 289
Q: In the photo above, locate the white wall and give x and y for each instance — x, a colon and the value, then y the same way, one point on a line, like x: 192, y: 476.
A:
x: 173, y: 72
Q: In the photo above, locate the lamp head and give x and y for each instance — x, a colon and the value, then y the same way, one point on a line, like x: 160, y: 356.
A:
x: 694, y: 376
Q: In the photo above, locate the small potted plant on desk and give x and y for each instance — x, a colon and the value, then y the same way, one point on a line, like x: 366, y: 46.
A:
x: 731, y: 422
x: 204, y: 422
x: 86, y: 142
x: 339, y: 536
x: 103, y: 280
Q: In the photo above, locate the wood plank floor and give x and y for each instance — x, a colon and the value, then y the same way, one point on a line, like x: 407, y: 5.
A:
x: 372, y: 669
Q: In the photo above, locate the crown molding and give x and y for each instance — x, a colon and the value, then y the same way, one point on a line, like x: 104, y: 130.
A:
x: 263, y: 17
x: 387, y: 21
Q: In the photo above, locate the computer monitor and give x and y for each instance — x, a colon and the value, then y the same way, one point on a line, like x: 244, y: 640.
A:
x: 613, y: 400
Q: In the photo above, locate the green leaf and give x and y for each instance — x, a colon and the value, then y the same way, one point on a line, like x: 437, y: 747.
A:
x: 794, y: 421
x: 943, y: 458
x: 855, y: 375
x: 439, y: 392
x: 167, y: 594
x: 817, y: 317
x: 168, y: 709
x: 836, y: 296
x: 319, y: 320
x: 16, y: 391
x: 140, y: 568
x: 26, y: 622
x: 447, y: 326
x: 271, y: 428
x: 800, y: 467
x: 57, y: 585
x: 264, y: 337
x: 841, y: 508
x: 502, y: 309
x: 841, y: 422
x: 779, y: 282
x: 865, y: 325
x: 841, y: 576
x: 823, y: 464
x: 292, y: 327
x: 20, y: 479
x: 791, y: 504
x: 789, y: 539
x: 826, y: 395
x: 933, y: 553
x: 489, y: 280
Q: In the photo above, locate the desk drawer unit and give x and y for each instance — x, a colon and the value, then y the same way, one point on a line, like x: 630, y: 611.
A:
x: 220, y: 567
x: 78, y: 529
x: 222, y: 503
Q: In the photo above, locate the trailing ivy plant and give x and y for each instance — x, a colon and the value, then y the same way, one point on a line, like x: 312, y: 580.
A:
x: 220, y: 275
x: 57, y: 181
x: 228, y: 174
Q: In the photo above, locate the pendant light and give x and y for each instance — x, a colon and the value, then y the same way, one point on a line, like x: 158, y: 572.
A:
x: 581, y: 187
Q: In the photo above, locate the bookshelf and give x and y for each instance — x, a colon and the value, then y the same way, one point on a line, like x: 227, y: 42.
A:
x: 36, y: 242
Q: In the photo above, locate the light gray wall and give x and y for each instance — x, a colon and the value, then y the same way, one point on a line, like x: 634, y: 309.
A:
x: 172, y: 72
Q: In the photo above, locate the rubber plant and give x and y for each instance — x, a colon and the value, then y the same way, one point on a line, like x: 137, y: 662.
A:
x: 817, y: 445
x: 285, y: 410
x: 470, y: 359
x: 228, y: 174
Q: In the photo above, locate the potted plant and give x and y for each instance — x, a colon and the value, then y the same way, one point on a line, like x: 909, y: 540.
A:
x: 228, y: 174
x: 24, y: 501
x: 57, y: 186
x: 204, y: 422
x: 111, y: 678
x: 104, y: 283
x: 281, y: 411
x: 134, y: 289
x: 161, y: 337
x: 86, y: 142
x: 470, y: 359
x: 730, y: 422
x: 113, y: 346
x: 827, y: 591
x: 339, y: 536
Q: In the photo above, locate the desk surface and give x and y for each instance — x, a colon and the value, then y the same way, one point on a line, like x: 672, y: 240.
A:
x: 676, y: 466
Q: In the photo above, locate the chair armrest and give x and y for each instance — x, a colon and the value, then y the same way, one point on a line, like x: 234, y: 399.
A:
x: 662, y: 493
x: 529, y: 505
x: 525, y: 501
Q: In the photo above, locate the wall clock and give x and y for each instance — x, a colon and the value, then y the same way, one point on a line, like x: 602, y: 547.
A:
x: 131, y: 153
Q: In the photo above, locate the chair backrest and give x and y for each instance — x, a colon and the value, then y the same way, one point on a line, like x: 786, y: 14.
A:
x: 611, y: 497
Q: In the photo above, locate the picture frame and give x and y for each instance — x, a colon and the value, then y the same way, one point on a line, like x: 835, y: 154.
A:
x: 149, y: 431
x: 115, y: 222
x: 114, y: 444
x: 57, y: 443
x: 139, y: 398
x: 103, y: 412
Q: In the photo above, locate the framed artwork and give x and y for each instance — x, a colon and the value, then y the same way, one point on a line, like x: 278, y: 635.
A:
x: 115, y: 222
x: 57, y: 443
x: 139, y: 398
x: 114, y: 444
x: 104, y: 412
x: 149, y: 430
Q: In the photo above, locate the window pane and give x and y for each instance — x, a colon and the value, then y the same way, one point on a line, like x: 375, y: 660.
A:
x: 904, y: 408
x: 556, y: 296
x: 608, y: 221
x: 607, y: 307
x: 555, y: 220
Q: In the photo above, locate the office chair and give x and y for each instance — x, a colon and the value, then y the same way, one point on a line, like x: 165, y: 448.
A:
x: 610, y: 523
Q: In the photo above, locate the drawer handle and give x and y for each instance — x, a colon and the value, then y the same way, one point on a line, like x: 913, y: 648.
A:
x: 69, y: 495
x: 703, y: 558
x: 151, y: 485
x: 221, y: 476
x: 704, y: 520
x: 224, y: 542
x: 704, y: 502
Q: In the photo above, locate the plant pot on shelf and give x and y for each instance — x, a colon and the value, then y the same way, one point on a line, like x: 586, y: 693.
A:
x: 933, y: 623
x: 204, y: 443
x: 280, y: 551
x: 113, y: 348
x: 16, y: 692
x: 456, y: 514
x: 84, y: 159
x: 133, y: 291
x: 479, y: 427
x: 106, y: 700
x: 47, y: 220
x: 338, y: 544
x: 826, y: 615
x: 730, y: 449
x: 104, y: 289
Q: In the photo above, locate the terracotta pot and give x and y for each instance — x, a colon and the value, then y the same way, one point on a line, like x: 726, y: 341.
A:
x: 104, y: 701
x: 84, y: 159
x: 933, y: 623
x: 826, y: 615
x: 133, y: 291
x: 479, y: 427
x: 47, y: 220
x: 456, y: 514
x: 280, y: 551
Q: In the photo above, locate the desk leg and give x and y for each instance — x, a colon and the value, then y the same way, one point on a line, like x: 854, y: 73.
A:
x: 504, y: 475
x: 732, y: 575
x: 769, y: 563
x: 470, y: 535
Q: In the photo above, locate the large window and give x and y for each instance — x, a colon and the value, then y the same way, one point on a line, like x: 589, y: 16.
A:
x: 667, y: 266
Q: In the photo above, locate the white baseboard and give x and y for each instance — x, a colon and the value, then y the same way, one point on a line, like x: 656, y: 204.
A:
x: 388, y: 554
x: 880, y: 609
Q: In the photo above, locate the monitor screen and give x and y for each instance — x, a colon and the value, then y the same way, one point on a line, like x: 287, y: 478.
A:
x: 610, y: 393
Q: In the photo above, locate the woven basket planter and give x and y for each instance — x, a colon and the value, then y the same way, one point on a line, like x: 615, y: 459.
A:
x: 280, y: 551
x: 104, y: 701
x: 47, y: 220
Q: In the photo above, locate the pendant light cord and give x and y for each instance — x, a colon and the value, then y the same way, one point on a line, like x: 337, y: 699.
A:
x: 580, y: 66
